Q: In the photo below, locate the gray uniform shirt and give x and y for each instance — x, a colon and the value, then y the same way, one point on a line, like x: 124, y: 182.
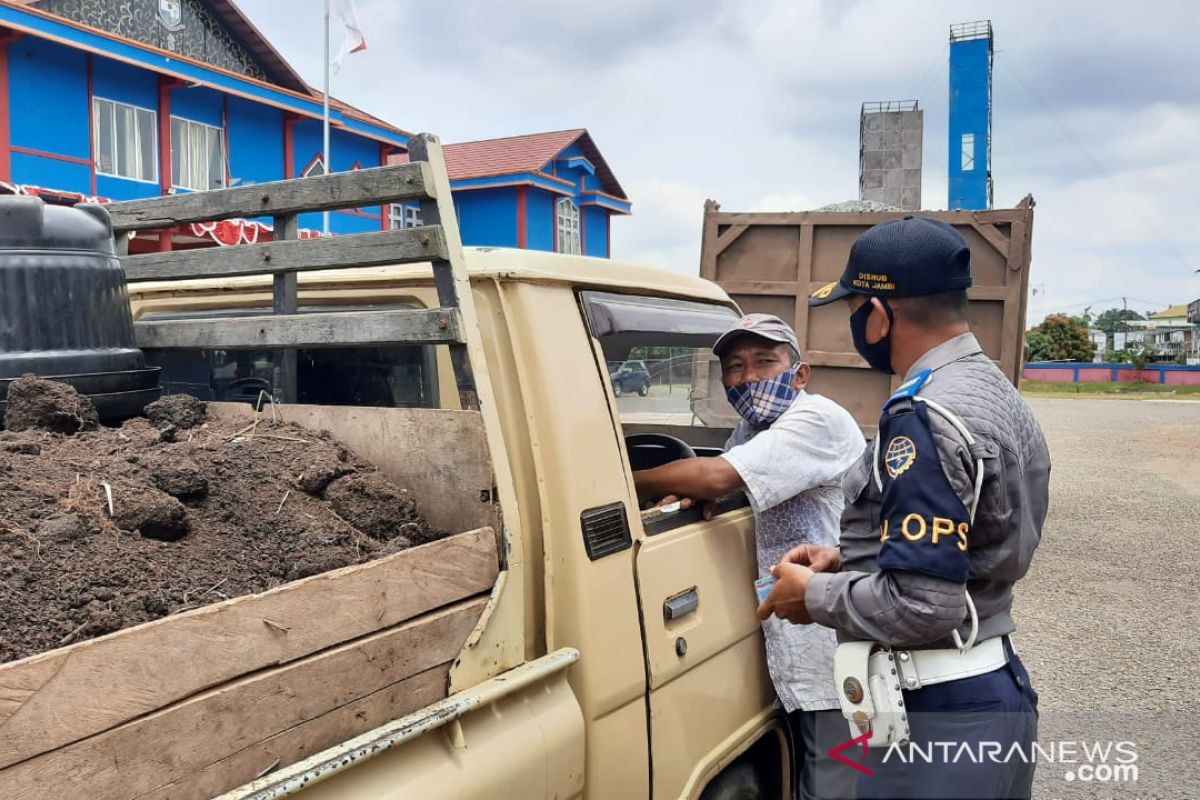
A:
x: 792, y: 472
x: 907, y: 609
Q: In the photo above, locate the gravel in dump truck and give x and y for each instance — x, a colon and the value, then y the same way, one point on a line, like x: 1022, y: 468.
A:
x: 107, y: 528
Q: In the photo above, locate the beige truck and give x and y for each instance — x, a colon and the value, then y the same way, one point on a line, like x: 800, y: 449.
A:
x: 565, y: 644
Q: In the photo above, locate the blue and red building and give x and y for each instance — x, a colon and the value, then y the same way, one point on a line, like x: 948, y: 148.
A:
x: 544, y: 191
x: 137, y: 99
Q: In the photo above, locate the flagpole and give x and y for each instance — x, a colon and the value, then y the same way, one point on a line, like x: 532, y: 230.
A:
x: 328, y: 160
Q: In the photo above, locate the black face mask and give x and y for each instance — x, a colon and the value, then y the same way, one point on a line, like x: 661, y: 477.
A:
x: 879, y: 354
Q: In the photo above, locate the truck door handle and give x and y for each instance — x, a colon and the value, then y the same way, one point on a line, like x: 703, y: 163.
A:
x: 680, y: 605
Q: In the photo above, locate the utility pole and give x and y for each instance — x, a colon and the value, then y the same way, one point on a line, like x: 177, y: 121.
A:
x: 325, y: 128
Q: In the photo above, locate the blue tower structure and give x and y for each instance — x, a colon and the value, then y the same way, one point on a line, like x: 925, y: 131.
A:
x: 970, y: 147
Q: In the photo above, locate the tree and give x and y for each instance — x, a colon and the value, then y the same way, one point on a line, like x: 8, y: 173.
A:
x: 1137, y: 354
x: 1038, y: 346
x: 1114, y: 319
x: 1059, y: 338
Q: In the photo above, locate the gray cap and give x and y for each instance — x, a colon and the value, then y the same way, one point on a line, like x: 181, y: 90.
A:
x: 768, y: 326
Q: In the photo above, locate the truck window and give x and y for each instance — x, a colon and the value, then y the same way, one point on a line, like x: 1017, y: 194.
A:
x: 388, y: 377
x: 665, y: 379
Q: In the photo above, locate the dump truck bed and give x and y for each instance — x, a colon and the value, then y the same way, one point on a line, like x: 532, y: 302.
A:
x: 772, y: 262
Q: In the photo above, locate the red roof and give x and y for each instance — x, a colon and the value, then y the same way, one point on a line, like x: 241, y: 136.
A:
x: 515, y: 154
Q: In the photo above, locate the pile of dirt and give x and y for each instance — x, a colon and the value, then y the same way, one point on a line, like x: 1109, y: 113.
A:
x: 181, y: 411
x: 112, y: 527
x: 34, y: 403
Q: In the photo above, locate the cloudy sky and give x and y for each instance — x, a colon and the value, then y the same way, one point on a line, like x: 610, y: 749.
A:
x: 755, y: 104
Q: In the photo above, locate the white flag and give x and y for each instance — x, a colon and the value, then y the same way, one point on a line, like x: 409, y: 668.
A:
x: 354, y: 41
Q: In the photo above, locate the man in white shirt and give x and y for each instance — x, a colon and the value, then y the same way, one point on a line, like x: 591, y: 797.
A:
x: 788, y: 455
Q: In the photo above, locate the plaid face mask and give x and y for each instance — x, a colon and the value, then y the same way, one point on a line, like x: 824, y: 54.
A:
x: 762, y: 402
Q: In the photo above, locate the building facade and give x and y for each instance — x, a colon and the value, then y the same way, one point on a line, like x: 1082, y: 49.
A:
x: 1170, y: 335
x: 544, y: 191
x: 121, y: 101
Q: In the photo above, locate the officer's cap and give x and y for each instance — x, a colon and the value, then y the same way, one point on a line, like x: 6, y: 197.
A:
x: 908, y: 257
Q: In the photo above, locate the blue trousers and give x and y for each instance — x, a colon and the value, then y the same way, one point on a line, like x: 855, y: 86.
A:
x: 819, y: 777
x: 965, y: 738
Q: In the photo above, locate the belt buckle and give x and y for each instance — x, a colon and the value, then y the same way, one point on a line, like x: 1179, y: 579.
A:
x: 907, y: 666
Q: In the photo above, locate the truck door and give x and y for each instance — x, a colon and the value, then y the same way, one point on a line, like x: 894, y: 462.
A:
x: 709, y: 693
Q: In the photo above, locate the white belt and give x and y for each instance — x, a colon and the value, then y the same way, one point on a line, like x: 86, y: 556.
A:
x: 926, y: 667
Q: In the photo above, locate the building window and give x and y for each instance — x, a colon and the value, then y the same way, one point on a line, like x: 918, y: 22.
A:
x: 197, y: 155
x: 126, y: 140
x: 568, y: 228
x: 401, y: 215
x: 315, y: 167
x: 968, y: 152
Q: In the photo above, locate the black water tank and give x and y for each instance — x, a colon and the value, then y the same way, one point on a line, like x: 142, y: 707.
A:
x: 64, y: 308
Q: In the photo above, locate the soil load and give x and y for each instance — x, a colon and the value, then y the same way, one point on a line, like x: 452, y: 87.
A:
x: 112, y: 527
x: 34, y: 403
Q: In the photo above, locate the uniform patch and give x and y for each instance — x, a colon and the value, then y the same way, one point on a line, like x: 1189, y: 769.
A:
x: 901, y: 454
x: 824, y: 291
x: 925, y: 527
x: 910, y: 387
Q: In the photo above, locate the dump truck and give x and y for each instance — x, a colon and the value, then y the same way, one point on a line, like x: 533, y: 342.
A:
x: 562, y: 642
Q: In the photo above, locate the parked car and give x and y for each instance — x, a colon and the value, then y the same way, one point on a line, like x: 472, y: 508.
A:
x: 630, y: 376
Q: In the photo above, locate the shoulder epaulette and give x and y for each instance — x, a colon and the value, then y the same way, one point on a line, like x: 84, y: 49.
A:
x: 910, y: 387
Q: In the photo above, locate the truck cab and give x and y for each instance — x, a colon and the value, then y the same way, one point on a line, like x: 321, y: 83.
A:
x: 670, y: 687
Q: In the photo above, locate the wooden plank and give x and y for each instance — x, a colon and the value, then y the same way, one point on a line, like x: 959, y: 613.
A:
x: 804, y: 273
x: 326, y: 329
x: 731, y: 235
x: 362, y: 187
x: 450, y: 274
x: 310, y: 738
x: 771, y: 288
x: 992, y: 236
x: 824, y: 358
x: 797, y: 218
x: 170, y: 746
x: 286, y: 300
x: 987, y: 293
x: 708, y: 241
x: 60, y: 697
x: 1012, y: 342
x: 448, y: 483
x: 863, y: 219
x: 358, y: 250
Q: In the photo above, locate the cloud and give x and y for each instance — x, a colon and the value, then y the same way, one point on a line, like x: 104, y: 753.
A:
x: 756, y: 105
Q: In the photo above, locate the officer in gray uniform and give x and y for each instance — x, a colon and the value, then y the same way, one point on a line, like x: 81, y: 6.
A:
x: 943, y: 514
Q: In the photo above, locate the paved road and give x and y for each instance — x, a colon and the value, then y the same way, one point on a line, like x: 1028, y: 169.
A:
x: 1109, y: 616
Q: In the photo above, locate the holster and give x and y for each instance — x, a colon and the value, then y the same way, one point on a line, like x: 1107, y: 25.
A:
x: 868, y: 682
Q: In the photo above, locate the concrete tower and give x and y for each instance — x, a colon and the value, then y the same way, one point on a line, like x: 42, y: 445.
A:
x: 889, y: 153
x: 970, y: 149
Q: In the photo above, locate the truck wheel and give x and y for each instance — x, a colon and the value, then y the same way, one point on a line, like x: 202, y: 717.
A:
x: 739, y: 782
x: 616, y: 390
x: 644, y: 390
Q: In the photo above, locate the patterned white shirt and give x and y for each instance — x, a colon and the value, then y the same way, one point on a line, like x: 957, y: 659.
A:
x: 792, y: 472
